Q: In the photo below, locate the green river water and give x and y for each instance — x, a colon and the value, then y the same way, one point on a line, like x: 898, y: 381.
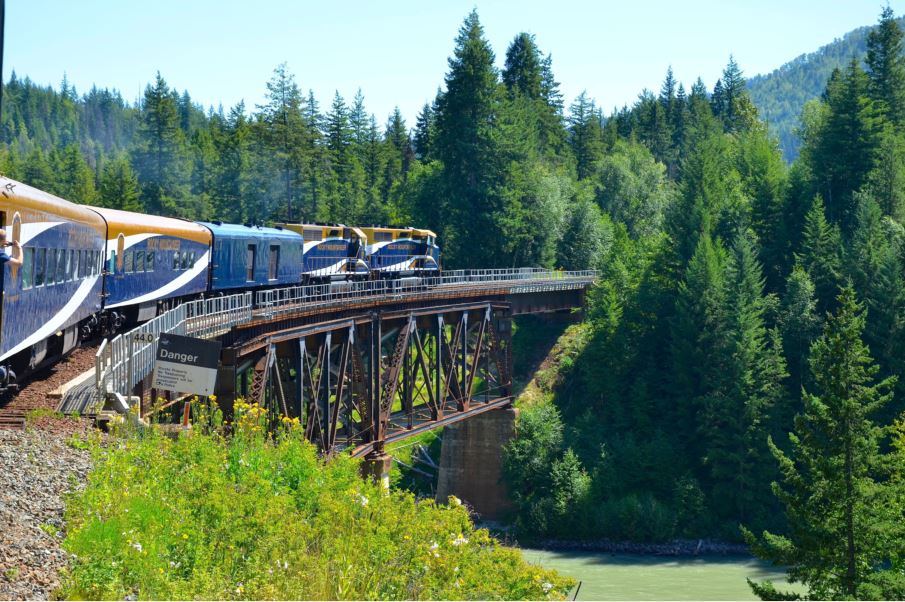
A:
x: 636, y: 577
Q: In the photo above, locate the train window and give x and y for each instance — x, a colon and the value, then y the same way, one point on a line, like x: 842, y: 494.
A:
x: 175, y: 260
x: 80, y: 255
x: 149, y: 261
x: 128, y: 259
x: 50, y: 275
x: 185, y: 260
x: 40, y: 258
x: 28, y: 268
x: 192, y: 260
x: 71, y: 265
x: 250, y: 263
x: 274, y: 266
x: 61, y: 266
x: 383, y: 236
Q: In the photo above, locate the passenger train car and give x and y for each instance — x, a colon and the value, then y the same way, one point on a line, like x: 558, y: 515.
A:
x: 253, y: 257
x: 91, y: 270
x: 149, y: 261
x: 331, y: 252
x: 59, y: 283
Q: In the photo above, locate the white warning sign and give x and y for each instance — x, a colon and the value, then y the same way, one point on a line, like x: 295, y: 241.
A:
x: 186, y: 364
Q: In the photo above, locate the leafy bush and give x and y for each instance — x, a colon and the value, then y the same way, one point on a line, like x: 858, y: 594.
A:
x: 636, y: 517
x: 257, y: 517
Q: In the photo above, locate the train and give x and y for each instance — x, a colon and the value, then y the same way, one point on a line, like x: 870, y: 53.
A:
x: 90, y: 271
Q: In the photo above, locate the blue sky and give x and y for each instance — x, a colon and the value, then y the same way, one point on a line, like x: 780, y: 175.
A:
x: 224, y: 51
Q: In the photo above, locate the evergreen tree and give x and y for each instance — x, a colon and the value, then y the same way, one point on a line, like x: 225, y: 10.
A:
x: 425, y: 133
x: 522, y: 73
x: 119, y: 186
x: 820, y: 256
x: 468, y: 149
x: 160, y: 156
x: 846, y: 144
x: 800, y: 326
x: 585, y: 135
x: 886, y: 67
x: 283, y: 135
x: 582, y: 243
x: 842, y: 516
x: 74, y: 179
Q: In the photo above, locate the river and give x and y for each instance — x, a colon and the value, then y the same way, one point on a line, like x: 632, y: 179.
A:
x: 635, y: 577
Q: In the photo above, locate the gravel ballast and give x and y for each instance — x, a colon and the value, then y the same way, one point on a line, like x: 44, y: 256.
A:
x: 36, y: 468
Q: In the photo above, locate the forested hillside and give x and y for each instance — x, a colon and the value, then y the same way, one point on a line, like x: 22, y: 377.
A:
x: 780, y: 96
x: 740, y: 300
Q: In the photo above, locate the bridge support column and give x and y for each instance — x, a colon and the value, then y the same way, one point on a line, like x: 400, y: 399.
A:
x: 471, y: 465
x: 376, y: 466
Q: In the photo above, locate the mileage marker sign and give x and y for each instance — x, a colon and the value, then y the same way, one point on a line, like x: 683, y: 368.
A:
x: 186, y: 364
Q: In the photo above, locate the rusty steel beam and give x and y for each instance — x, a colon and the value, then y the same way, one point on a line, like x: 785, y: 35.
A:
x: 348, y: 376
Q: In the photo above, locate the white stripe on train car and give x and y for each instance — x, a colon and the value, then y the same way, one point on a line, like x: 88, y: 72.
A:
x: 379, y: 245
x: 33, y: 229
x: 172, y: 285
x: 330, y: 269
x: 58, y: 320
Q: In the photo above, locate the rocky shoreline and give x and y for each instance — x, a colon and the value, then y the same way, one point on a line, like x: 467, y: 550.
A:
x: 37, y: 468
x: 678, y: 547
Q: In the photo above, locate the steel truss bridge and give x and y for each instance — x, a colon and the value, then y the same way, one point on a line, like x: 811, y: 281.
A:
x: 360, y: 364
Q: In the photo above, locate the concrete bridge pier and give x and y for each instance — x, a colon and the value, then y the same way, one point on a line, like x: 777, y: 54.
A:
x: 471, y: 462
x: 376, y: 466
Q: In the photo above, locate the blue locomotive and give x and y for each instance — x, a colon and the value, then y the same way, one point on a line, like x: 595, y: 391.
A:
x: 89, y: 270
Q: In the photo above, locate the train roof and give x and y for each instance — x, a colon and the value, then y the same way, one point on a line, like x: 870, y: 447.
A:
x: 409, y: 229
x: 324, y: 229
x: 27, y: 197
x: 128, y: 223
x: 223, y: 230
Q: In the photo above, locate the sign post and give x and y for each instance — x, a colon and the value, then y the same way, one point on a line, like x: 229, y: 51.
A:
x: 186, y: 365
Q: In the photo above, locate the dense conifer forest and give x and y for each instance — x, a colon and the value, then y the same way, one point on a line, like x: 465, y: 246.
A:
x: 781, y: 95
x: 741, y: 299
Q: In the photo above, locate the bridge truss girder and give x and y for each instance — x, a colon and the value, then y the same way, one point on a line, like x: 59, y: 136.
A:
x: 362, y: 382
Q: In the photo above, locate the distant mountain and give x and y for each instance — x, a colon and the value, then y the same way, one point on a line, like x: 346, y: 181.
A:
x: 781, y: 95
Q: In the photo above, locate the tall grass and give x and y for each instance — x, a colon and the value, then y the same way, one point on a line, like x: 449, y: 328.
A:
x: 255, y: 516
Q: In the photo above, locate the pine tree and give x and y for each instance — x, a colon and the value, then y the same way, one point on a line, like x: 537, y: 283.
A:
x: 847, y: 143
x: 425, y: 133
x: 843, y: 521
x: 800, y: 326
x: 820, y: 256
x: 74, y: 179
x: 582, y: 242
x: 886, y: 67
x: 701, y: 345
x: 473, y: 165
x: 585, y: 135
x: 522, y: 73
x: 119, y: 186
x: 160, y: 156
x: 283, y: 135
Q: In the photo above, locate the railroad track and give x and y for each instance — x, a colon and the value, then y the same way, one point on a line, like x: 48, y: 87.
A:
x: 34, y: 392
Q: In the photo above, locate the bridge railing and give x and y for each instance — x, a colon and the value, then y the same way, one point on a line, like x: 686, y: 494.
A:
x: 126, y: 360
x: 277, y: 302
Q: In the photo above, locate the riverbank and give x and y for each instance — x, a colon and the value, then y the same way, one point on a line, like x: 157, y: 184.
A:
x: 678, y: 547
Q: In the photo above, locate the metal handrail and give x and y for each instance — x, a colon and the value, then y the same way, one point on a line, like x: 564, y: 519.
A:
x: 127, y: 359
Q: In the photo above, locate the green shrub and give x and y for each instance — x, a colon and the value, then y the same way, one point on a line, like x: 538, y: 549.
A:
x: 258, y: 517
x: 636, y: 517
